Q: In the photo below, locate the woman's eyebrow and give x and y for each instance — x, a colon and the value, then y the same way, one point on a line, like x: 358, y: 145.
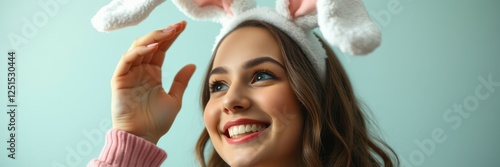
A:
x: 249, y: 64
x: 218, y: 70
x: 260, y: 60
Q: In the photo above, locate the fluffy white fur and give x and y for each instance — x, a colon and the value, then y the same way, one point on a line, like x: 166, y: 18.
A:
x: 122, y: 13
x: 347, y: 25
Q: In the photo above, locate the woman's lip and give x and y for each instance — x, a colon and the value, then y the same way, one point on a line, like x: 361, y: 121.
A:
x: 241, y: 121
x: 245, y: 138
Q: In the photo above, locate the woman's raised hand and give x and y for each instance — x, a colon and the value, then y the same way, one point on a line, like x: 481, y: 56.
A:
x: 140, y: 105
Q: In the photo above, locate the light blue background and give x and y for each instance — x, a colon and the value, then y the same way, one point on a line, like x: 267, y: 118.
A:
x: 431, y: 57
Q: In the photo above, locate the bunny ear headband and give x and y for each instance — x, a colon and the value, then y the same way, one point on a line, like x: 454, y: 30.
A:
x: 343, y: 23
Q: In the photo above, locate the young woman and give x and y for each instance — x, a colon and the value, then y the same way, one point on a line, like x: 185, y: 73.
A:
x: 264, y: 105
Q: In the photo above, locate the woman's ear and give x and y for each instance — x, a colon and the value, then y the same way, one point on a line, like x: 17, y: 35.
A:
x: 218, y: 11
x: 122, y: 13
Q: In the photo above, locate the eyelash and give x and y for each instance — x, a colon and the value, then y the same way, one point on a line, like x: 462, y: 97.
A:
x: 214, y: 84
x: 273, y: 76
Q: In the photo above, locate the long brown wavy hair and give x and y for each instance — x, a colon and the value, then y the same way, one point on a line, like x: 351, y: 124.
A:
x: 335, y: 128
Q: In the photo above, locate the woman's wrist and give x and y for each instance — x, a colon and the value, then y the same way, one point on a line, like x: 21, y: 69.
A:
x: 148, y: 138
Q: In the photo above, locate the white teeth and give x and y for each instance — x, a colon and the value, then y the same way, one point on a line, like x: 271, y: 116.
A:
x: 230, y: 131
x: 248, y: 128
x: 241, y: 129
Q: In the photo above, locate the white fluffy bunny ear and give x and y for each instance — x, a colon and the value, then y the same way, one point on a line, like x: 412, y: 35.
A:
x: 218, y: 11
x: 122, y: 13
x: 301, y: 12
x: 347, y: 25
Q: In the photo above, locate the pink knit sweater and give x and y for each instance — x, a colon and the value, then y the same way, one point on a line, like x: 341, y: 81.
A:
x: 123, y: 149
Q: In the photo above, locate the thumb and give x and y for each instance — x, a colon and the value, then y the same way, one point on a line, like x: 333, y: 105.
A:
x: 181, y: 81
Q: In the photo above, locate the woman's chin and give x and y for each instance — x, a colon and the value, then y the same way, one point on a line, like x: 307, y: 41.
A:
x: 247, y: 154
x: 244, y: 160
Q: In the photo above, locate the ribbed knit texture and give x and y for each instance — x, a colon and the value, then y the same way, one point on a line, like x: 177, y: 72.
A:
x: 123, y: 149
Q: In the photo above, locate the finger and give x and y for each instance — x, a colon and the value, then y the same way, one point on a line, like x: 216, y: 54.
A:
x: 138, y: 60
x: 157, y: 36
x: 159, y: 56
x: 130, y: 57
x: 147, y: 58
x: 181, y: 81
x: 181, y: 27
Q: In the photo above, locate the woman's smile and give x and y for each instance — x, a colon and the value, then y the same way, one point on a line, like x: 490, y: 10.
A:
x: 243, y: 130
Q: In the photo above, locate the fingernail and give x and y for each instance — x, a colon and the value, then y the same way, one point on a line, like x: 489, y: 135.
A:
x: 152, y: 45
x: 169, y: 29
x: 174, y: 27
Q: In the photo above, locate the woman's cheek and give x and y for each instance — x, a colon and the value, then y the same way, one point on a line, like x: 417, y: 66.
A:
x: 276, y: 97
x: 281, y: 104
x: 211, y: 117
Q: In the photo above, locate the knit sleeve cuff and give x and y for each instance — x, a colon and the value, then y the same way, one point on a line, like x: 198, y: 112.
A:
x: 125, y: 149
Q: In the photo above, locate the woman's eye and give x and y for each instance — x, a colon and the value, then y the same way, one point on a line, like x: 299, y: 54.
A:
x: 263, y: 75
x: 218, y: 86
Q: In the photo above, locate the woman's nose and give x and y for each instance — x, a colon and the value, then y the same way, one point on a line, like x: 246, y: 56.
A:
x: 236, y: 99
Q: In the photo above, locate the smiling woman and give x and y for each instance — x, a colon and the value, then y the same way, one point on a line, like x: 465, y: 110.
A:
x: 264, y: 102
x: 274, y: 94
x: 249, y: 87
x: 267, y: 81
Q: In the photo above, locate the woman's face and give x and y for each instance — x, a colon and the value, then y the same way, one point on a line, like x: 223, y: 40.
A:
x: 253, y: 117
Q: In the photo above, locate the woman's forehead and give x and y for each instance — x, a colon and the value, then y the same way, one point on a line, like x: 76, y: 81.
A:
x: 245, y: 44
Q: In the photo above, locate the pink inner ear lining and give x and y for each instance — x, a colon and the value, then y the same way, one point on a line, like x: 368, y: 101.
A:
x: 224, y: 4
x: 301, y: 7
